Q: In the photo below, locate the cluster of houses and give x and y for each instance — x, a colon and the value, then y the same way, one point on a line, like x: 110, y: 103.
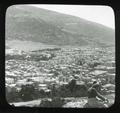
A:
x: 61, y: 70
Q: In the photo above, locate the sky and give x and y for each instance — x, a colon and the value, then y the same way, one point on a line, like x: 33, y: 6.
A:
x: 100, y: 14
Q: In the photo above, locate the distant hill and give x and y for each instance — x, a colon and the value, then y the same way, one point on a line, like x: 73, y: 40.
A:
x: 29, y: 23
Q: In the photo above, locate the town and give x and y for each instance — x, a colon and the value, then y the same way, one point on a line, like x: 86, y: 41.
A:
x: 47, y: 73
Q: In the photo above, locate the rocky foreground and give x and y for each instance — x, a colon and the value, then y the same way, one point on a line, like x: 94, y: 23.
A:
x: 69, y: 102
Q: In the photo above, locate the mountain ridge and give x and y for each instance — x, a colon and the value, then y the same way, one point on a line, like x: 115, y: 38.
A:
x: 52, y: 28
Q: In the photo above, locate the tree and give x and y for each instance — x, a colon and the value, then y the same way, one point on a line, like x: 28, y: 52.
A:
x: 27, y: 92
x: 72, y: 84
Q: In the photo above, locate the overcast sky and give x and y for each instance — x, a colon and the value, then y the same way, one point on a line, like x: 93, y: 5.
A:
x: 100, y: 14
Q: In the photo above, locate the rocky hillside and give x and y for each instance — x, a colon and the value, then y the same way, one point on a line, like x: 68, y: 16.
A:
x: 34, y: 24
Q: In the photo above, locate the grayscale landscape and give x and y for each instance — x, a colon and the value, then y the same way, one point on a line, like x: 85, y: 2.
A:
x: 45, y: 50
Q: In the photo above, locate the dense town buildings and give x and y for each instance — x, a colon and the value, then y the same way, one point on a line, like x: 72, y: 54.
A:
x: 59, y: 67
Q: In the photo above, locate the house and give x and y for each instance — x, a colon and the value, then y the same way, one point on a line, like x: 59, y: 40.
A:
x: 109, y: 86
x: 98, y: 72
x: 49, y: 80
x: 111, y: 69
x: 37, y: 79
x: 21, y: 82
x: 100, y: 67
x: 110, y: 78
x: 9, y: 80
x: 110, y: 63
x: 42, y: 86
x: 10, y: 88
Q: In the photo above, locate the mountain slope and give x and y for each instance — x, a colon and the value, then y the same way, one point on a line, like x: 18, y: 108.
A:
x: 53, y: 28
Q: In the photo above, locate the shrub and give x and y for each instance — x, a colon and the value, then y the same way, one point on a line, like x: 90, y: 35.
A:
x: 12, y: 97
x: 45, y: 103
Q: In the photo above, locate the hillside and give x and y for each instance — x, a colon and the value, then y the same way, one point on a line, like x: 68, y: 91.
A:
x: 29, y: 23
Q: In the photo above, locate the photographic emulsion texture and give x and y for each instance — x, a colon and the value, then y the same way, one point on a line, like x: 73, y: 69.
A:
x: 60, y: 56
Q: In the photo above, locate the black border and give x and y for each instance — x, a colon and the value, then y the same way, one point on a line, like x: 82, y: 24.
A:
x: 4, y: 107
